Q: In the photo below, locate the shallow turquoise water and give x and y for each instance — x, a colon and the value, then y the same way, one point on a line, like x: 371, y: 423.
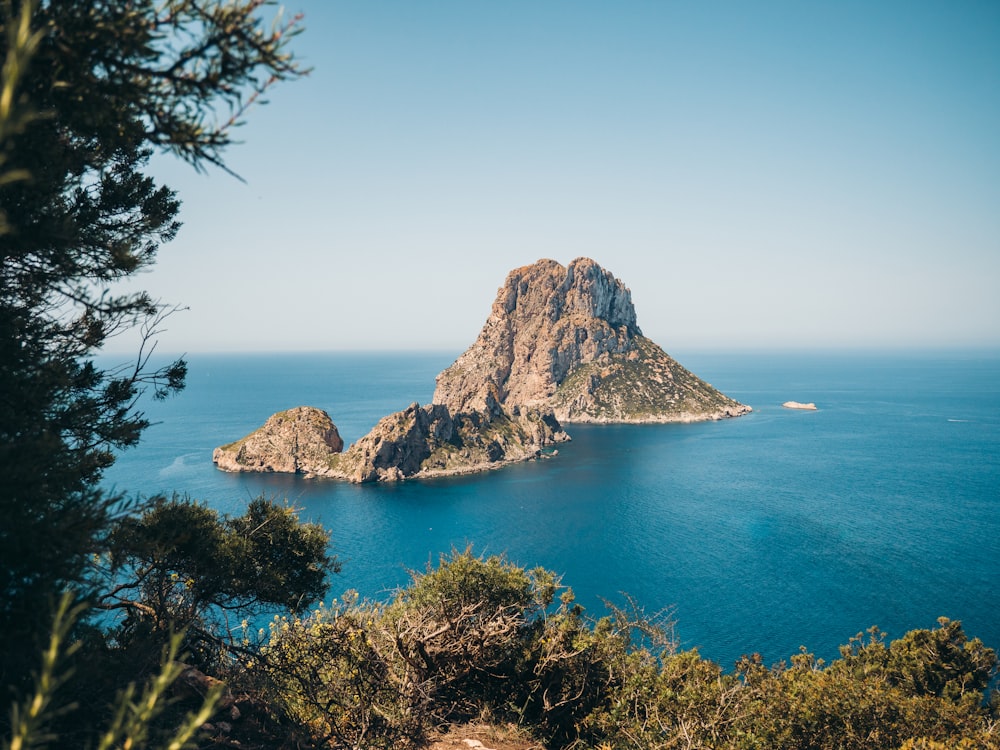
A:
x: 779, y: 529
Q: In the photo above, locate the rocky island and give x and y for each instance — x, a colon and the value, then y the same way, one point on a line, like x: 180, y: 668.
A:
x: 561, y: 344
x: 567, y: 338
x: 297, y: 441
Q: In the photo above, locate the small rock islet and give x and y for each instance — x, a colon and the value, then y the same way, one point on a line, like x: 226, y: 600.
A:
x: 797, y: 405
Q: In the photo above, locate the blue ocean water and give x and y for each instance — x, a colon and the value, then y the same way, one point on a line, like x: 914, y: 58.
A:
x: 765, y: 533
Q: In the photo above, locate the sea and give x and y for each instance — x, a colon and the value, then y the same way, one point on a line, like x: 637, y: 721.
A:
x: 768, y: 533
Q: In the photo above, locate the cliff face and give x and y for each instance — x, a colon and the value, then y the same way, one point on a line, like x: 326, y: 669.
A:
x: 298, y: 441
x: 567, y: 338
x: 545, y: 321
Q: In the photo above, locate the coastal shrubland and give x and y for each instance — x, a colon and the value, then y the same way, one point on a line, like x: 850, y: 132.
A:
x: 482, y: 639
x: 477, y: 640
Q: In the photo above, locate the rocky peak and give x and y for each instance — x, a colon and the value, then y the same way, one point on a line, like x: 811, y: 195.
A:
x: 554, y: 292
x: 546, y: 320
x: 548, y: 324
x: 592, y: 292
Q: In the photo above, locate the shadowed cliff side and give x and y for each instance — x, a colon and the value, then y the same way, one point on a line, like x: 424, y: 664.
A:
x: 430, y: 441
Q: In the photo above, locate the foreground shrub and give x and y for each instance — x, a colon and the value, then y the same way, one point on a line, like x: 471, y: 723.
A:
x: 928, y: 685
x: 481, y: 637
x: 182, y: 565
x: 331, y: 673
x: 138, y: 719
x: 458, y: 631
x: 446, y: 648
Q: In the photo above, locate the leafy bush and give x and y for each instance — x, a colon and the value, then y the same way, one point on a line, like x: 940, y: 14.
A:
x: 929, y: 684
x: 445, y: 649
x: 331, y: 674
x: 183, y: 565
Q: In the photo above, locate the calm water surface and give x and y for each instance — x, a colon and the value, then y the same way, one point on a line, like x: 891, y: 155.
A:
x: 779, y: 529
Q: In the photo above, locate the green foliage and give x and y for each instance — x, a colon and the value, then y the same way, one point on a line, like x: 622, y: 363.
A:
x: 28, y: 721
x: 135, y: 714
x: 179, y: 573
x: 483, y: 639
x: 90, y: 88
x: 332, y: 674
x: 449, y: 647
x: 866, y: 699
x: 466, y: 589
x: 15, y: 112
x: 279, y: 560
x: 183, y: 565
x: 941, y: 662
x: 457, y: 631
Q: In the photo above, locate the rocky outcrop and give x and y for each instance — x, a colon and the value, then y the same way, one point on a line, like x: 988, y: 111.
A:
x: 416, y: 442
x: 567, y: 338
x: 431, y: 441
x: 298, y: 441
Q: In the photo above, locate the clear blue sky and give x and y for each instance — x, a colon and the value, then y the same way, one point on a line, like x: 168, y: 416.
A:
x: 761, y: 175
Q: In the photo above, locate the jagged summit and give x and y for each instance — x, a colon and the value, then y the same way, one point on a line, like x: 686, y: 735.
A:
x: 546, y: 319
x: 567, y: 337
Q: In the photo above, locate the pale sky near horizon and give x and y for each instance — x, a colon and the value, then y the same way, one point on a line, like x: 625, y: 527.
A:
x: 760, y: 175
